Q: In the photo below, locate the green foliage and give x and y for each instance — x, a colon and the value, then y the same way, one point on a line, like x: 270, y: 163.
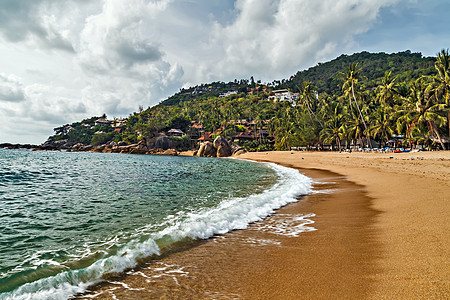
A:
x: 101, y: 138
x: 183, y: 143
x: 350, y: 100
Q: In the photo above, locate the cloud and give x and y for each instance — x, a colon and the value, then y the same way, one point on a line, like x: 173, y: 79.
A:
x: 11, y: 89
x: 120, y: 52
x: 280, y: 37
x: 23, y: 20
x: 77, y: 58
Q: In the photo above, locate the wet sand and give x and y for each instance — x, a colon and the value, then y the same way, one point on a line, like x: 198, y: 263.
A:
x: 269, y: 260
x: 411, y: 192
x: 382, y: 233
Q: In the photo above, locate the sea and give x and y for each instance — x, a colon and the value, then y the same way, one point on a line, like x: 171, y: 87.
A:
x: 68, y: 219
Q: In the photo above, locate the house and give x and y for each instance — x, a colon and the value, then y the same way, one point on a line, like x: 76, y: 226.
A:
x: 248, y: 135
x: 119, y: 122
x: 102, y: 122
x: 283, y: 95
x: 229, y: 93
x: 175, y: 132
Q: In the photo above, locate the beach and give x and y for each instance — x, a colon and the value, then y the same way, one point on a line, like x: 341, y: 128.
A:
x: 375, y: 227
x: 410, y: 193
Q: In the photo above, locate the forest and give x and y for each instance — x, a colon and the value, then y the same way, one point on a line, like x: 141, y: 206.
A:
x: 364, y: 100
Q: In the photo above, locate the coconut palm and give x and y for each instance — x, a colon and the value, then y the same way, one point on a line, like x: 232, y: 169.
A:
x: 442, y: 80
x: 307, y: 94
x: 333, y: 132
x: 421, y: 108
x: 386, y: 91
x: 382, y: 125
x: 351, y: 77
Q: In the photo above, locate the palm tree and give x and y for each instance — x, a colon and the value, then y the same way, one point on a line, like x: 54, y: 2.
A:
x: 382, y: 124
x: 442, y: 80
x: 307, y: 93
x: 351, y: 77
x: 421, y: 108
x: 333, y: 132
x: 387, y: 89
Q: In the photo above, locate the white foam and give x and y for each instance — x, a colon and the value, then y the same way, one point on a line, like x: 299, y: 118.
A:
x: 238, y: 213
x: 288, y: 225
x: 231, y: 214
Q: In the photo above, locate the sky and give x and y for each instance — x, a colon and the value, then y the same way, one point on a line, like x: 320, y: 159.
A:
x: 64, y: 61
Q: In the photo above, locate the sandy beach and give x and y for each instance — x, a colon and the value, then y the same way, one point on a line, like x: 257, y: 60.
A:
x: 381, y: 232
x: 411, y: 193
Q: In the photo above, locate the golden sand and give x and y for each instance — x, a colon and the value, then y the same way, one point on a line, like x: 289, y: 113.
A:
x: 382, y: 233
x: 412, y: 193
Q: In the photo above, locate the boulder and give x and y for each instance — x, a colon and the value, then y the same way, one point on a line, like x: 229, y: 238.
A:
x: 223, y: 151
x: 221, y: 143
x: 172, y: 152
x: 162, y: 142
x: 207, y: 150
x: 239, y: 152
x: 236, y: 149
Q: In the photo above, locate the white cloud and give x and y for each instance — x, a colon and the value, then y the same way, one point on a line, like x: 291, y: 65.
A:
x: 277, y: 38
x: 11, y: 89
x: 80, y: 58
x: 125, y: 63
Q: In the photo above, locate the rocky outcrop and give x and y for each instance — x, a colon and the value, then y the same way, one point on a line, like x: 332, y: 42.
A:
x: 222, y: 146
x: 239, y: 152
x: 18, y: 146
x: 161, y: 142
x: 219, y: 148
x: 223, y: 151
x: 207, y: 150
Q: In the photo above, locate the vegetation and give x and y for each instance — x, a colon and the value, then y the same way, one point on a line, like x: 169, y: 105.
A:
x: 363, y: 100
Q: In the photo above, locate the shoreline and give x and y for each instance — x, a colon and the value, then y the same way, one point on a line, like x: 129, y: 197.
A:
x: 257, y: 263
x: 411, y: 192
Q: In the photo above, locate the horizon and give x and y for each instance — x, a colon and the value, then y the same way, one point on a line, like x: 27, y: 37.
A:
x: 63, y: 62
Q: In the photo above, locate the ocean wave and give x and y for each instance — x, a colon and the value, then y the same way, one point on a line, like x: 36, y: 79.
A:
x: 231, y: 214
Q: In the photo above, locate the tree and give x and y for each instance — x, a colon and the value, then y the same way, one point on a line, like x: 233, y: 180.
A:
x: 382, y: 125
x: 307, y: 93
x: 421, y: 108
x: 351, y: 77
x: 442, y: 80
x: 387, y: 89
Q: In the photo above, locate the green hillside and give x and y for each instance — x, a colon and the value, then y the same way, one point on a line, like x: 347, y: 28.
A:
x: 360, y: 100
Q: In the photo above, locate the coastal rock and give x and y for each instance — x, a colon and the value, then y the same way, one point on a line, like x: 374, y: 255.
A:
x: 223, y: 151
x: 222, y: 146
x: 239, y: 152
x: 172, y: 152
x: 207, y: 150
x: 162, y: 142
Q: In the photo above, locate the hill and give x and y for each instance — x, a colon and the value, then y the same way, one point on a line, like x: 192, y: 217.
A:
x: 341, y: 103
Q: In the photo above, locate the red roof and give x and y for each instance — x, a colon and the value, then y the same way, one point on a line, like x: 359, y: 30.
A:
x: 205, y: 137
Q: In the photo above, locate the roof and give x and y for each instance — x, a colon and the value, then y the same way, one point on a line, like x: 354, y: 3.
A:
x: 205, y: 137
x: 175, y: 131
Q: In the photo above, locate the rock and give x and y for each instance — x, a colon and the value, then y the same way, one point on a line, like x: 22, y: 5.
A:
x: 236, y: 149
x: 172, y: 152
x: 195, y: 153
x: 162, y: 142
x: 221, y: 143
x: 207, y: 150
x: 239, y: 152
x: 223, y: 151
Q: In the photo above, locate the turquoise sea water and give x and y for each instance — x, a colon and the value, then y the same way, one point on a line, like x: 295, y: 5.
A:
x: 68, y: 219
